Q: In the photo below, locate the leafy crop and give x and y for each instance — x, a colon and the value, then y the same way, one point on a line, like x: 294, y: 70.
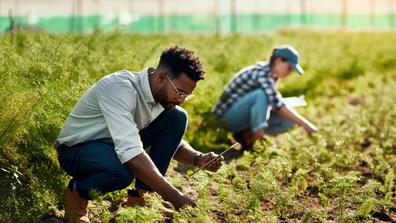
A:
x: 345, y: 173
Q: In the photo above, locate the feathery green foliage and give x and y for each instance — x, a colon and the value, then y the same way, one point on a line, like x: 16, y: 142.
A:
x: 345, y: 173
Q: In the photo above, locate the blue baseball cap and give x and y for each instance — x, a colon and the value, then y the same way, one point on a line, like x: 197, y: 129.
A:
x: 290, y: 55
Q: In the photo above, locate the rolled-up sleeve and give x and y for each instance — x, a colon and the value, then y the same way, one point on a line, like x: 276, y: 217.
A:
x: 117, y: 102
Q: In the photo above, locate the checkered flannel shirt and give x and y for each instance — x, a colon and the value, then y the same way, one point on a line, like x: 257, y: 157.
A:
x: 247, y: 80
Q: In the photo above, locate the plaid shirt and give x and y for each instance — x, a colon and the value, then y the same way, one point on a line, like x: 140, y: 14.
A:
x: 247, y: 80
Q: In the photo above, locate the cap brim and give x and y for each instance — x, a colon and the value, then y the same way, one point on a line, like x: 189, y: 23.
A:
x: 298, y: 68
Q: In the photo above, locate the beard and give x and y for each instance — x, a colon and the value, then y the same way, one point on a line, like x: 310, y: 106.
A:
x: 164, y: 102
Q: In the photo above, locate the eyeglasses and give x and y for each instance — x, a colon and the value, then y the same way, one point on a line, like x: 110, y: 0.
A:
x: 180, y: 94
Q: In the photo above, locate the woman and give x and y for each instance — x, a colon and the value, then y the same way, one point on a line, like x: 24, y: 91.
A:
x: 251, y: 106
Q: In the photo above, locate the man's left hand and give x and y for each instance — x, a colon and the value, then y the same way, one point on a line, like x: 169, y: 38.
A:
x: 207, y: 157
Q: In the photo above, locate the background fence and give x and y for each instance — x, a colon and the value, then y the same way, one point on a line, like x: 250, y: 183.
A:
x: 221, y: 16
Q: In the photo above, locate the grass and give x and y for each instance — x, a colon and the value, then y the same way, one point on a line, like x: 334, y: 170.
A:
x: 346, y: 173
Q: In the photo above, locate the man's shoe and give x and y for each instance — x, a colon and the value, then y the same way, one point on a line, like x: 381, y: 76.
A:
x: 135, y: 198
x: 76, y: 207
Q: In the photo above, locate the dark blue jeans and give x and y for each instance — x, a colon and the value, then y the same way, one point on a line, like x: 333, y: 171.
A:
x: 95, y: 166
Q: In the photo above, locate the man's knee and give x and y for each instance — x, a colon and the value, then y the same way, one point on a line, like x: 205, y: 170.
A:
x: 178, y: 117
x: 121, y: 179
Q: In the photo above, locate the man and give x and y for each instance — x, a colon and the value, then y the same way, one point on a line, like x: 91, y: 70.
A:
x: 251, y: 105
x: 102, y: 142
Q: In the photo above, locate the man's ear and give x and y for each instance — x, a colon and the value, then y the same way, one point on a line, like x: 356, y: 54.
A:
x: 161, y: 75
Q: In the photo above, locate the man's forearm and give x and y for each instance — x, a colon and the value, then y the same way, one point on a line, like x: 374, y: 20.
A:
x: 186, y: 154
x: 144, y: 169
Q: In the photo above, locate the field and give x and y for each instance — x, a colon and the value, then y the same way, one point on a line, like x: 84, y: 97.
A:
x: 344, y: 173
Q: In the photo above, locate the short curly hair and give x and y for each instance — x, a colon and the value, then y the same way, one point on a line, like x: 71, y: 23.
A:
x: 181, y: 60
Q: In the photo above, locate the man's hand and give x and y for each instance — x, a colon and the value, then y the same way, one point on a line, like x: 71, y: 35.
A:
x: 214, y: 165
x: 182, y: 201
x: 187, y: 155
x: 145, y: 170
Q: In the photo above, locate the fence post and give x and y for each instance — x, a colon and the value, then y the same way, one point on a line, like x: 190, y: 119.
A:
x: 160, y: 19
x: 303, y: 12
x: 15, y: 16
x: 344, y: 14
x: 73, y: 17
x: 287, y: 17
x: 216, y: 18
x: 12, y: 28
x: 80, y: 16
x: 233, y: 16
x: 372, y: 16
x: 130, y: 12
x: 0, y: 17
x: 97, y: 13
x: 391, y: 14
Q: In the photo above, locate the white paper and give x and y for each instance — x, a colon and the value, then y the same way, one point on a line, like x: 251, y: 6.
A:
x: 295, y: 101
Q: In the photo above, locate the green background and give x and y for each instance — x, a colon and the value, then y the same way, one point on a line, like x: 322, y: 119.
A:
x: 205, y: 23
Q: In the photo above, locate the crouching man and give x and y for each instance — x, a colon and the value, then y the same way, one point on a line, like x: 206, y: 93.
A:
x: 103, y: 141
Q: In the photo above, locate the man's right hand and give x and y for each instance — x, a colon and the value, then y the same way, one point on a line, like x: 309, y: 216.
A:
x: 182, y: 201
x: 144, y: 169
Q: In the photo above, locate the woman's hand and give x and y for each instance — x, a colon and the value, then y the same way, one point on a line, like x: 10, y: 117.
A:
x: 310, y: 129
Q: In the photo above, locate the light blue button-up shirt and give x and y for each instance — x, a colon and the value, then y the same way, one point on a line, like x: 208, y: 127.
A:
x: 115, y: 108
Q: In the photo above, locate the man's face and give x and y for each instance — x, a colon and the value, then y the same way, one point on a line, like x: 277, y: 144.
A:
x: 174, y: 91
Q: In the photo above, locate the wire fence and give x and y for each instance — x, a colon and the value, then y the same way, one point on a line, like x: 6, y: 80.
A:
x: 218, y: 16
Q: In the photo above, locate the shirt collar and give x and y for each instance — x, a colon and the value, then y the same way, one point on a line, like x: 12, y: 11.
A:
x: 145, y: 84
x: 267, y: 69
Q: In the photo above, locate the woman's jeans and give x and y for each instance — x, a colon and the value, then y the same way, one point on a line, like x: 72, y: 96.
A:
x: 252, y: 111
x: 96, y: 169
